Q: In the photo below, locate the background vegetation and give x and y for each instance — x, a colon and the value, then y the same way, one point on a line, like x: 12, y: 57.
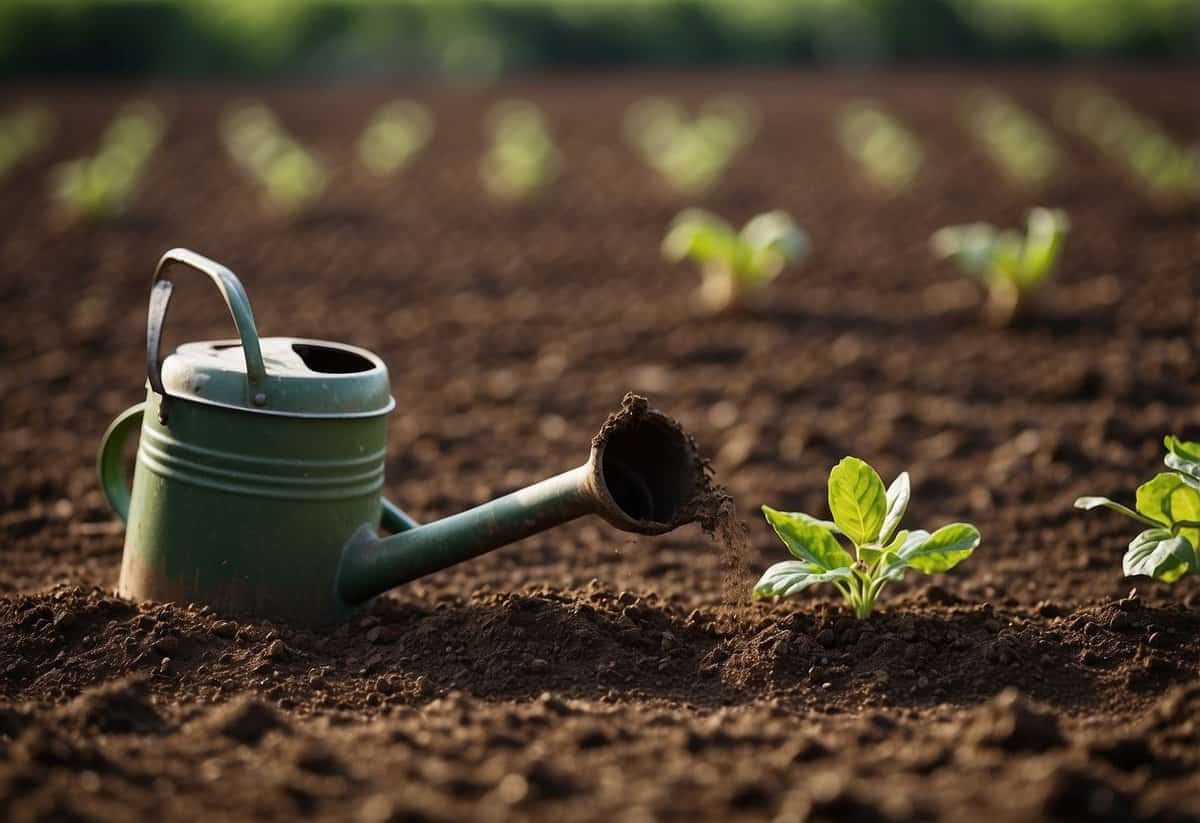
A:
x: 487, y: 37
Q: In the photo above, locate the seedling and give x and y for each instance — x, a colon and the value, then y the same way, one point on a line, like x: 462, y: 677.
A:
x: 21, y: 133
x: 888, y: 153
x: 289, y: 178
x: 1014, y: 139
x: 522, y: 159
x: 1011, y: 267
x: 394, y: 136
x: 1170, y: 505
x: 1167, y: 171
x: 690, y: 155
x: 103, y: 186
x: 735, y: 266
x: 868, y: 517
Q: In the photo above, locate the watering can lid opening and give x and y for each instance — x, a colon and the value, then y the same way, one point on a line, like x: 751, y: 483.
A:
x: 304, y: 378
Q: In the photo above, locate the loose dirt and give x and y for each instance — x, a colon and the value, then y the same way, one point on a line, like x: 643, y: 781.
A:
x: 586, y: 674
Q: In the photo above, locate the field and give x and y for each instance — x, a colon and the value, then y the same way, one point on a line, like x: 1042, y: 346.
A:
x: 585, y: 674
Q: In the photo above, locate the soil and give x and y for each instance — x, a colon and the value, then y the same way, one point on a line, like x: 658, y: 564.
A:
x: 587, y: 674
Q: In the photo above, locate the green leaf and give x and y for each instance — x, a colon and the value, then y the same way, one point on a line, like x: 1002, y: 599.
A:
x: 943, y: 550
x: 1155, y: 553
x: 970, y: 246
x: 1044, y: 237
x: 791, y: 576
x: 808, y: 541
x: 871, y: 554
x: 896, y: 562
x: 897, y: 504
x: 1183, y: 456
x: 814, y: 521
x: 698, y: 235
x: 777, y: 232
x: 1089, y: 503
x: 857, y: 499
x: 1168, y: 499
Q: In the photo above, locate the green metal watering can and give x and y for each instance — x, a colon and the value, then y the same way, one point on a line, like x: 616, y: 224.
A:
x: 256, y: 488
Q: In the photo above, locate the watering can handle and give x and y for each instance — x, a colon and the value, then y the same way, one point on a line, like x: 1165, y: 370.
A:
x: 109, y: 463
x: 239, y: 306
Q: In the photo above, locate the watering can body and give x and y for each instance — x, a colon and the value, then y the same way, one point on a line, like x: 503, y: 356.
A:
x: 260, y: 465
x: 216, y: 492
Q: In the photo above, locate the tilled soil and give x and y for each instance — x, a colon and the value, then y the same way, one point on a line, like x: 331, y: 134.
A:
x: 587, y: 674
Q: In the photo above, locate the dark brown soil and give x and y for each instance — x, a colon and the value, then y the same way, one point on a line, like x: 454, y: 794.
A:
x: 587, y: 674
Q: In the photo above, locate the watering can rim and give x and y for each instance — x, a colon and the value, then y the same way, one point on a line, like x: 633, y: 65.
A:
x: 179, y: 367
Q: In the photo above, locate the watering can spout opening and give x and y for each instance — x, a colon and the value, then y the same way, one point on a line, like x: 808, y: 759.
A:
x: 645, y: 471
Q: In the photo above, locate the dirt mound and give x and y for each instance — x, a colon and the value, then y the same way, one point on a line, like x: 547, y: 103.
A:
x: 120, y: 707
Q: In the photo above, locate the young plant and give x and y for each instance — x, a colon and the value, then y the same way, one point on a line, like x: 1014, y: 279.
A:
x: 735, y: 266
x: 1170, y: 505
x: 1167, y: 171
x: 102, y: 186
x: 690, y: 155
x: 1011, y: 267
x: 21, y: 134
x: 289, y: 178
x: 868, y: 517
x: 394, y: 136
x: 1014, y: 139
x: 522, y: 159
x: 888, y: 153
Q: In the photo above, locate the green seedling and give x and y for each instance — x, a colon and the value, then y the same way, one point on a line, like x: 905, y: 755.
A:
x: 1167, y: 171
x: 522, y: 159
x: 1012, y: 267
x: 888, y: 153
x: 102, y: 186
x: 21, y: 134
x: 394, y: 136
x: 288, y: 177
x: 1013, y: 138
x: 735, y: 266
x: 1170, y: 506
x: 690, y: 155
x: 868, y: 518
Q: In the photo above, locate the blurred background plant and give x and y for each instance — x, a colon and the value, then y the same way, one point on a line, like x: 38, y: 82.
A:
x: 482, y: 38
x: 289, y: 178
x: 735, y: 266
x: 889, y: 155
x: 395, y: 135
x: 690, y: 154
x: 522, y: 159
x: 102, y: 186
x: 1166, y: 170
x: 22, y: 133
x: 1011, y: 266
x: 1016, y: 141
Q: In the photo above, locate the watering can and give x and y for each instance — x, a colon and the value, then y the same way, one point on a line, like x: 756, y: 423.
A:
x: 260, y: 462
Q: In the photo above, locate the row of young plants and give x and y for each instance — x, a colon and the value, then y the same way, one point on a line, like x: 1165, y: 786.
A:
x: 736, y: 266
x: 689, y: 152
x: 862, y: 548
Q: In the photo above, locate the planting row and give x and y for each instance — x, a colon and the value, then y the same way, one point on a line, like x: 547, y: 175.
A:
x: 867, y: 516
x: 689, y: 152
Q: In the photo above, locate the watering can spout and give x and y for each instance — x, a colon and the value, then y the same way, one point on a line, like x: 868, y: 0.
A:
x: 642, y: 476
